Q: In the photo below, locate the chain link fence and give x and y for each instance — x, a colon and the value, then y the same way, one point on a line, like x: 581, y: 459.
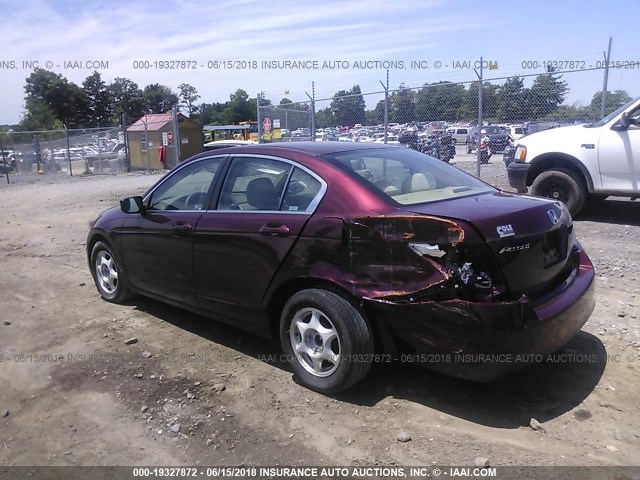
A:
x: 89, y: 151
x: 450, y: 119
x: 286, y: 122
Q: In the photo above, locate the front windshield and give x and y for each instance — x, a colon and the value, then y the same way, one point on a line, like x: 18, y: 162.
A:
x: 611, y: 116
x: 406, y: 176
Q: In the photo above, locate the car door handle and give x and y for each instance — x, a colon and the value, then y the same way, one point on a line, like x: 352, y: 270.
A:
x: 182, y: 228
x: 273, y: 229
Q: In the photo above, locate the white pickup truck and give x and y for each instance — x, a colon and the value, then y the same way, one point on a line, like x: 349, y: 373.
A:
x: 582, y: 163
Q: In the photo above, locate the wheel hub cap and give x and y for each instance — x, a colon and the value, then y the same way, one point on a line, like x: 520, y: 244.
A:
x: 315, y: 342
x: 106, y: 272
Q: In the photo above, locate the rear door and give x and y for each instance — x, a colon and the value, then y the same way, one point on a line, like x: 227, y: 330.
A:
x: 242, y: 239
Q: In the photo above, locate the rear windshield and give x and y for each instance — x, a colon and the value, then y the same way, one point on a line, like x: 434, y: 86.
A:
x: 406, y: 176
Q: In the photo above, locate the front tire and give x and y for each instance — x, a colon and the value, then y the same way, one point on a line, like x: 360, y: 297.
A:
x: 562, y: 185
x: 328, y: 343
x: 108, y: 276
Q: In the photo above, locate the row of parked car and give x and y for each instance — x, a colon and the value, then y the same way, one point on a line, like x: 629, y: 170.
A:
x: 54, y: 159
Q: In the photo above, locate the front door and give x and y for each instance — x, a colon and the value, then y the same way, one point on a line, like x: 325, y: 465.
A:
x: 619, y: 157
x: 157, y: 245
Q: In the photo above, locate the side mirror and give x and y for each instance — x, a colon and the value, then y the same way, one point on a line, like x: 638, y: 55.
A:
x: 132, y: 205
x: 623, y: 123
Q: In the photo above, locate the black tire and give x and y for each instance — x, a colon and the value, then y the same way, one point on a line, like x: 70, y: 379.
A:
x: 562, y: 185
x: 335, y: 317
x: 115, y: 290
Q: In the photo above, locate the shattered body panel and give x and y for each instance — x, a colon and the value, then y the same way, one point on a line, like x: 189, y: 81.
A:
x: 457, y: 293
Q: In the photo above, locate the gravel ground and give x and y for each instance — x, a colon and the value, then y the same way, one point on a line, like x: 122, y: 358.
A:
x: 77, y: 389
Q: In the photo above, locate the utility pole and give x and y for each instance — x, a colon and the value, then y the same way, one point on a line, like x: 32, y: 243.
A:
x: 259, y: 118
x: 386, y: 107
x: 607, y: 58
x: 478, y: 153
x: 312, y: 97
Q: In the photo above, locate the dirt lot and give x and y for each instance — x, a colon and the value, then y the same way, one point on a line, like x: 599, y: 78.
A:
x: 192, y: 391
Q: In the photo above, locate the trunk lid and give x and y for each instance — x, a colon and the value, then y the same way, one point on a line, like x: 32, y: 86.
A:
x: 529, y: 237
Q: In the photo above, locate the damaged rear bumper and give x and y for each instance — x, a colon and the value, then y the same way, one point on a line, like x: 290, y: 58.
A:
x: 484, y: 340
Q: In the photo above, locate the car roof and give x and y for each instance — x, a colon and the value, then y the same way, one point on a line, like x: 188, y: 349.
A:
x: 308, y: 147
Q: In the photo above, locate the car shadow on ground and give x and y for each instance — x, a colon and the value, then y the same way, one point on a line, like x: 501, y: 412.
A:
x: 616, y: 211
x: 543, y: 391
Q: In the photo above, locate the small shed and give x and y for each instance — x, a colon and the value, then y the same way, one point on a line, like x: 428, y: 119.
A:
x: 154, y: 130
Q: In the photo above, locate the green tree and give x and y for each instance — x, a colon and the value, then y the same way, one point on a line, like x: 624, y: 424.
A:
x: 376, y: 116
x: 469, y: 107
x: 348, y: 107
x: 127, y: 98
x: 66, y: 101
x: 512, y: 99
x: 100, y: 111
x: 38, y: 116
x: 324, y: 118
x: 188, y: 97
x: 440, y: 101
x: 546, y: 94
x: 285, y: 102
x: 238, y: 108
x: 615, y: 100
x: 159, y: 98
x: 402, y: 105
x: 211, y: 113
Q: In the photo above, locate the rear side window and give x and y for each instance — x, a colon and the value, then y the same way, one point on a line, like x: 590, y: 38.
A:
x: 266, y: 184
x: 301, y: 191
x: 254, y: 184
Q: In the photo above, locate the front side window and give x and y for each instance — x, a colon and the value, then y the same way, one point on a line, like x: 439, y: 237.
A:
x: 187, y: 188
x: 408, y: 177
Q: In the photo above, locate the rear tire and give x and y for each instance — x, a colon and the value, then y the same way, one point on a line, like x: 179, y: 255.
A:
x: 328, y: 343
x: 562, y: 185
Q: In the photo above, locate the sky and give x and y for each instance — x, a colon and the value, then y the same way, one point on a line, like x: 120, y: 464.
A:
x: 445, y: 37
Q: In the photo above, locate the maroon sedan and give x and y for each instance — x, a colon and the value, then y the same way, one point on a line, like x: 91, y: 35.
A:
x: 352, y: 253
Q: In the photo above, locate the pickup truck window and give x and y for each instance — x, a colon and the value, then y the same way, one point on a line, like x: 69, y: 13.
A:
x: 611, y: 116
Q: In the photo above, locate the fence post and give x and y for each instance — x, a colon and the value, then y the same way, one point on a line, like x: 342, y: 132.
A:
x: 146, y: 143
x: 66, y: 132
x: 4, y: 160
x: 87, y: 170
x: 36, y: 141
x: 127, y: 158
x: 176, y: 135
x: 259, y: 118
x: 479, y: 140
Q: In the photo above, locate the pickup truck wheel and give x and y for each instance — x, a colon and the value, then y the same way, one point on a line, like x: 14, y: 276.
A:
x: 561, y: 185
